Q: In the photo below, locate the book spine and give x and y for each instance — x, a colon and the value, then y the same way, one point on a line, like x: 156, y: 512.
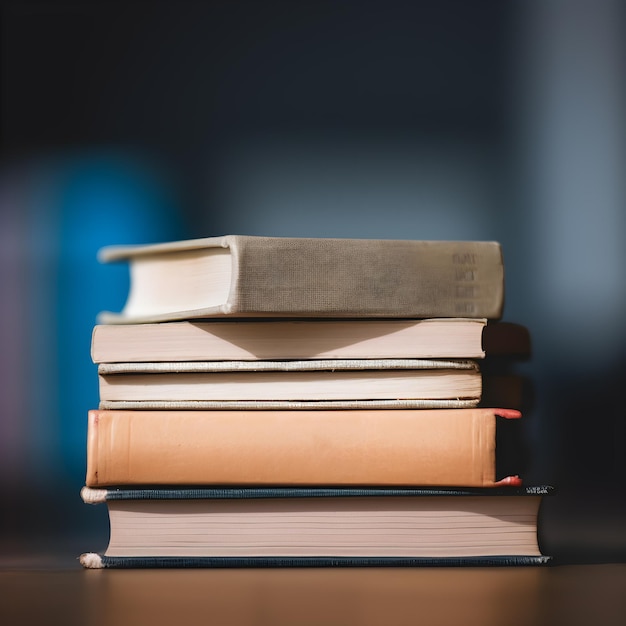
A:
x: 99, y: 496
x: 282, y: 405
x: 366, y: 278
x: 304, y: 448
x: 333, y: 365
x: 96, y: 561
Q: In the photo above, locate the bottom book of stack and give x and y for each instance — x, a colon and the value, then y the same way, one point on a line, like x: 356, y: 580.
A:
x: 319, y: 527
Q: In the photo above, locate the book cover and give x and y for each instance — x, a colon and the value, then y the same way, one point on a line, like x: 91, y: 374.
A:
x: 238, y: 275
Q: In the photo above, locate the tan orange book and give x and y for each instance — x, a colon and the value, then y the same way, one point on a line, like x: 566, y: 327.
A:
x: 241, y: 276
x: 447, y: 447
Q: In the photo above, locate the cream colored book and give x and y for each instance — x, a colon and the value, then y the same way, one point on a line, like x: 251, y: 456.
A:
x: 441, y: 338
x: 243, y: 276
x: 348, y: 382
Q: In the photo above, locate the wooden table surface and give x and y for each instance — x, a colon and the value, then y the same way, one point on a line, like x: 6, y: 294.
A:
x: 39, y: 591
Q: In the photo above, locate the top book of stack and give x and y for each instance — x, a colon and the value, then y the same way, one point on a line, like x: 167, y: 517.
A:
x: 251, y: 276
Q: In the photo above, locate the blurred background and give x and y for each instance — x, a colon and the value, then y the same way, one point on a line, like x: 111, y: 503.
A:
x: 137, y: 122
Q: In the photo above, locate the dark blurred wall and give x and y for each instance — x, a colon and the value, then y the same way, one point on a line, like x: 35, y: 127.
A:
x: 146, y: 121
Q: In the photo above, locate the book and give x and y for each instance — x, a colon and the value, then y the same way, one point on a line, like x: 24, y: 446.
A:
x: 439, y: 447
x: 440, y: 338
x: 238, y: 275
x: 319, y: 527
x: 348, y: 382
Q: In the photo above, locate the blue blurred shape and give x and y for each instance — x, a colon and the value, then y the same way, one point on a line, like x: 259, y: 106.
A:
x: 82, y: 204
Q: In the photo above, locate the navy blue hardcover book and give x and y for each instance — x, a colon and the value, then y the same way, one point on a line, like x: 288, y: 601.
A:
x: 319, y: 527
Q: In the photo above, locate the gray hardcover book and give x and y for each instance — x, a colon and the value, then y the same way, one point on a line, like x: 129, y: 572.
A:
x: 239, y: 275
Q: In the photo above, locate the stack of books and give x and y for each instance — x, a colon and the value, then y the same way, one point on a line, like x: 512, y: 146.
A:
x: 269, y: 401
